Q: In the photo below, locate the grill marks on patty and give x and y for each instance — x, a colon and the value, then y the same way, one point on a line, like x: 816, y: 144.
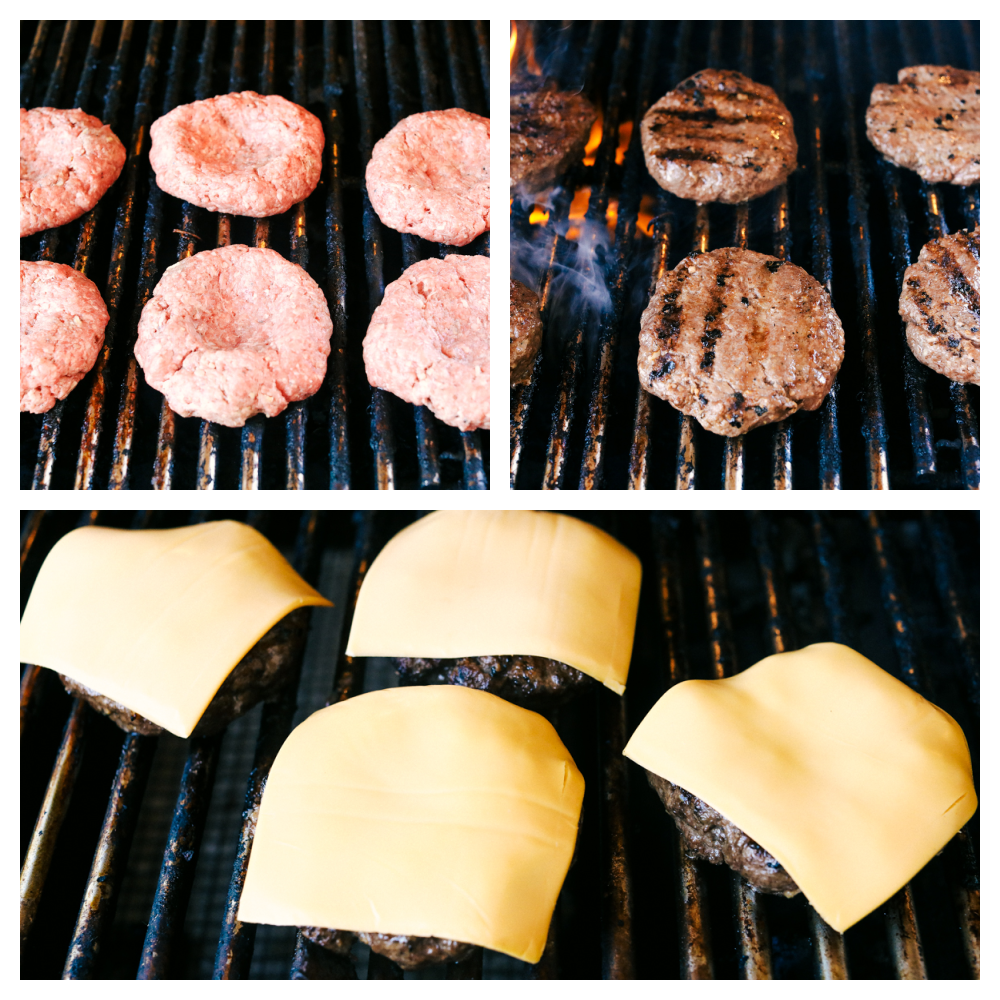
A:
x: 940, y: 304
x: 719, y: 136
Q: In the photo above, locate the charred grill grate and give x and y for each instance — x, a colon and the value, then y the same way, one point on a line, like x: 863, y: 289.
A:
x: 358, y: 78
x: 720, y: 592
x: 849, y: 219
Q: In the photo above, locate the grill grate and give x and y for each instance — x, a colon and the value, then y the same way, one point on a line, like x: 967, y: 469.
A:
x: 359, y: 79
x: 720, y: 592
x: 850, y: 219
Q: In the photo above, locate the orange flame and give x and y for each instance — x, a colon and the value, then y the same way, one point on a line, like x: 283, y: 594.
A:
x: 611, y: 216
x: 513, y: 41
x: 590, y: 153
x: 647, y: 212
x: 538, y: 216
x: 578, y: 212
x: 624, y: 137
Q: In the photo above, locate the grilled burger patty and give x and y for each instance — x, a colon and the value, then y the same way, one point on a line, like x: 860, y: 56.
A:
x: 525, y: 331
x: 738, y: 339
x: 940, y: 303
x: 929, y: 122
x: 548, y: 133
x: 707, y: 834
x: 407, y: 951
x: 255, y: 678
x: 719, y: 136
x: 521, y: 679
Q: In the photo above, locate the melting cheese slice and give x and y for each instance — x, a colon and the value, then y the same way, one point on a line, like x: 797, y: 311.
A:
x: 481, y: 583
x: 852, y: 780
x: 156, y: 620
x: 435, y: 811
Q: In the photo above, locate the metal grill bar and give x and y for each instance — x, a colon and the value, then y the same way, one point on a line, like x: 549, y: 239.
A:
x: 51, y: 98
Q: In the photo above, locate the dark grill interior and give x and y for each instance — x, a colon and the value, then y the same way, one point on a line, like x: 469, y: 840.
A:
x: 159, y: 863
x: 850, y: 219
x: 359, y: 79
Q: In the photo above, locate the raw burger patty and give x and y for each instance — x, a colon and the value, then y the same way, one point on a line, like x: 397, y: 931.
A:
x: 719, y: 136
x: 525, y: 331
x: 548, y: 134
x: 406, y: 950
x: 737, y: 339
x: 430, y: 176
x: 62, y: 329
x: 929, y: 122
x: 707, y: 834
x: 233, y: 332
x: 940, y: 303
x: 68, y: 160
x: 244, y: 154
x: 429, y: 340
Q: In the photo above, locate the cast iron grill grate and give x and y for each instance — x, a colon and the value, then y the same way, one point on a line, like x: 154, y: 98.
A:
x: 719, y: 593
x: 851, y: 220
x: 358, y: 78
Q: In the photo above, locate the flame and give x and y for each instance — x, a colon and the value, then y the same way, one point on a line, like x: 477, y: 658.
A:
x: 513, y: 41
x: 590, y: 153
x: 624, y: 137
x: 647, y: 212
x: 578, y: 212
x: 611, y: 216
x: 539, y: 216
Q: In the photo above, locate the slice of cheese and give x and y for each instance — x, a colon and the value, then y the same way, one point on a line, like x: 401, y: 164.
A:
x: 156, y: 620
x: 434, y: 811
x: 482, y: 583
x: 851, y: 780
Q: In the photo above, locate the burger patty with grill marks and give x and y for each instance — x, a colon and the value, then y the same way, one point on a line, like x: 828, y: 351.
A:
x: 525, y: 331
x: 719, y: 136
x: 527, y: 680
x: 406, y: 950
x: 940, y: 303
x: 738, y: 339
x: 928, y: 122
x: 549, y: 129
x: 257, y: 677
x: 707, y: 834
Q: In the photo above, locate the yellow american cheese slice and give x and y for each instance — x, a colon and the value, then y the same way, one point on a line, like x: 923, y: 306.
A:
x: 852, y: 780
x: 434, y: 811
x: 481, y: 583
x: 156, y: 620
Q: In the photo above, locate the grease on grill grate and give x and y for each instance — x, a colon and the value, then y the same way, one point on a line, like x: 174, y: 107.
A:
x: 850, y: 219
x: 358, y: 79
x: 720, y: 592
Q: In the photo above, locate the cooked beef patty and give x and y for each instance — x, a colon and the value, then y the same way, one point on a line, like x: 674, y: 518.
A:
x: 719, y: 136
x: 737, y: 339
x: 549, y: 129
x: 522, y: 679
x: 407, y: 951
x: 525, y: 331
x: 940, y: 303
x: 707, y: 834
x: 929, y: 122
x: 257, y: 677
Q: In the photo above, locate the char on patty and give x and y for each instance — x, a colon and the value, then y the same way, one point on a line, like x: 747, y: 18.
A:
x: 719, y: 136
x: 530, y: 680
x: 549, y: 129
x: 707, y: 834
x: 738, y: 339
x: 407, y: 951
x: 525, y: 331
x: 940, y: 303
x: 257, y: 677
x: 929, y: 122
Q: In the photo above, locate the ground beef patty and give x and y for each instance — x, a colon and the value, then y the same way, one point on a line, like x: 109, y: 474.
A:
x: 62, y: 330
x: 940, y: 303
x: 737, y: 339
x: 407, y: 951
x: 68, y: 160
x: 707, y: 834
x: 549, y: 129
x: 530, y: 680
x: 430, y: 176
x: 929, y: 122
x: 257, y: 677
x: 233, y: 332
x: 245, y: 154
x: 525, y: 331
x: 719, y: 136
x: 429, y: 340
